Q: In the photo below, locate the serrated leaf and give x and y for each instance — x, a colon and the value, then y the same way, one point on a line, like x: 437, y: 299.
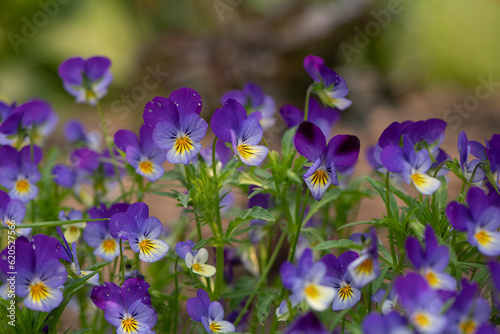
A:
x: 256, y: 212
x: 342, y: 243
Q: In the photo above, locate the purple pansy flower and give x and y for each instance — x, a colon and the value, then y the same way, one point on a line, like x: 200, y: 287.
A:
x: 127, y: 308
x: 468, y: 312
x: 330, y: 87
x: 77, y: 135
x: 337, y: 276
x: 195, y: 259
x: 253, y: 99
x: 19, y: 171
x: 70, y: 255
x: 421, y: 303
x: 411, y: 165
x: 12, y: 211
x: 232, y: 125
x: 481, y: 220
x: 142, y: 154
x: 96, y: 233
x: 72, y: 232
x: 339, y: 155
x: 431, y: 261
x: 391, y: 303
x: 323, y: 117
x: 87, y: 80
x: 39, y: 272
x: 178, y: 128
x: 307, y: 281
x: 464, y: 149
x: 366, y: 268
x: 210, y: 314
x: 392, y: 323
x: 308, y: 323
x: 141, y: 231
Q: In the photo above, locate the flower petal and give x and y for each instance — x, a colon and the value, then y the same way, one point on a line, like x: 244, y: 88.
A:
x: 318, y: 296
x: 309, y: 141
x: 425, y: 184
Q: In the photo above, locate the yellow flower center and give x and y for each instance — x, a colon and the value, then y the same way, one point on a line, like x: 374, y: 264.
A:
x: 146, y: 167
x: 418, y: 179
x: 22, y: 186
x: 421, y: 320
x: 312, y: 291
x: 468, y: 327
x: 245, y: 151
x: 345, y: 291
x: 183, y: 144
x: 214, y: 327
x: 90, y: 94
x: 432, y: 279
x: 146, y: 246
x: 366, y: 267
x: 129, y: 325
x: 109, y: 245
x: 320, y: 176
x: 483, y: 237
x: 38, y: 291
x: 197, y: 267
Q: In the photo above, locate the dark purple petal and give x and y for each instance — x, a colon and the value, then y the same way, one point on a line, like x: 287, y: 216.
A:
x: 64, y: 176
x: 311, y: 65
x: 184, y: 247
x: 35, y: 112
x: 197, y: 307
x: 309, y: 141
x: 392, y: 158
x: 25, y: 154
x: 160, y: 109
x: 463, y: 148
x: 187, y: 101
x: 391, y: 135
x: 121, y: 225
x: 254, y: 94
x: 333, y: 266
x: 330, y: 77
x: 66, y: 254
x: 414, y: 292
x: 415, y: 253
x: 11, y: 125
x: 495, y: 274
x: 125, y: 138
x: 478, y: 150
x: 259, y: 199
x: 86, y: 159
x: 228, y: 118
x: 71, y: 71
x: 292, y: 115
x: 237, y: 95
x: 478, y: 202
x: 307, y: 323
x: 95, y: 232
x: 343, y: 150
x: 288, y: 274
x: 46, y: 248
x: 135, y: 289
x: 138, y: 211
x: 75, y: 132
x: 458, y: 216
x: 108, y: 292
x: 374, y: 324
x: 25, y: 257
x: 96, y: 67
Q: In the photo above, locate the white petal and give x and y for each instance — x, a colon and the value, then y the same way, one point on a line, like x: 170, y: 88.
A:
x: 203, y: 269
x: 424, y: 183
x: 318, y: 296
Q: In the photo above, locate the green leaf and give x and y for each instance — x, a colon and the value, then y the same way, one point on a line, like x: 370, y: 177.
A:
x: 256, y: 212
x: 380, y: 188
x: 264, y: 302
x: 183, y: 199
x: 204, y: 242
x: 342, y: 243
x: 80, y: 331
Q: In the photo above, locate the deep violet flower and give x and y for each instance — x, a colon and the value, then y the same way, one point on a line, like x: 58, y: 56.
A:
x: 39, y: 272
x: 19, y: 171
x: 253, y: 99
x: 323, y: 117
x: 142, y: 154
x: 141, y: 231
x: 96, y: 233
x: 366, y: 268
x: 128, y: 308
x: 232, y: 125
x: 87, y: 80
x: 210, y: 314
x: 177, y: 126
x: 339, y: 155
x: 330, y: 87
x: 308, y: 323
x: 12, y: 210
x: 392, y: 323
x: 431, y: 261
x: 481, y: 220
x: 464, y: 149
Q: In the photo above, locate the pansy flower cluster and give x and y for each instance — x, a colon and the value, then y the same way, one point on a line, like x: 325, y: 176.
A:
x: 82, y: 233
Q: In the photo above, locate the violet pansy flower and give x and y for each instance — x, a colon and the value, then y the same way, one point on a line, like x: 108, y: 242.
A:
x: 323, y: 117
x: 308, y: 323
x: 481, y: 220
x: 142, y: 154
x: 72, y: 232
x: 39, y: 274
x: 210, y: 314
x: 464, y: 149
x: 431, y: 261
x: 19, y: 171
x: 306, y: 281
x: 12, y: 211
x: 412, y: 166
x: 366, y: 268
x: 86, y: 80
x: 339, y: 155
x: 330, y: 87
x: 421, y: 303
x: 195, y: 259
x: 392, y: 323
x: 141, y: 231
x: 177, y: 126
x: 232, y: 125
x: 128, y: 308
x: 97, y: 235
x: 337, y: 276
x: 253, y: 99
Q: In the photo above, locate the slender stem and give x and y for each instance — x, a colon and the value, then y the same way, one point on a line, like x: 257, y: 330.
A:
x: 343, y: 323
x: 137, y: 262
x: 306, y: 107
x: 387, y: 202
x: 219, y: 272
x: 299, y: 228
x: 217, y: 195
x: 176, y: 293
x: 110, y: 148
x: 220, y: 247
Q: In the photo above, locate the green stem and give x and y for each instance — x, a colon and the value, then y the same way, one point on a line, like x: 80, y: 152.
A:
x: 137, y: 262
x: 299, y: 228
x: 306, y: 107
x: 343, y: 323
x: 219, y: 266
x: 110, y: 148
x: 219, y: 272
x: 176, y: 293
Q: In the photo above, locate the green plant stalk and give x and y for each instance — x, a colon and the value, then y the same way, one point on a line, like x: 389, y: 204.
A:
x: 176, y: 294
x: 137, y: 262
x: 306, y: 107
x: 219, y: 266
x: 110, y: 148
x: 54, y: 223
x: 299, y: 228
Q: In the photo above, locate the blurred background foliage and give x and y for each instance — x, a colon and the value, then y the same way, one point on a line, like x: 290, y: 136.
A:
x: 217, y: 45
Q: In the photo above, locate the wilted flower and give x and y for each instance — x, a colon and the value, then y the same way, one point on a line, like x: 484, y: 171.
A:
x: 87, y: 80
x: 340, y: 154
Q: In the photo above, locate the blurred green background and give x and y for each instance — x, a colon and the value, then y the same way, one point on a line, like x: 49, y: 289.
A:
x: 424, y: 57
